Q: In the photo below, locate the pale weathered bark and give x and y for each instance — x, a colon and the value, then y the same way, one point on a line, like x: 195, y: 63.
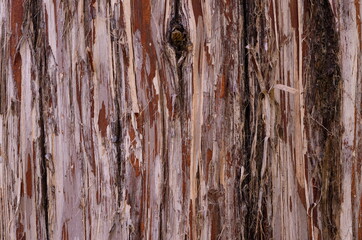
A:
x: 169, y: 119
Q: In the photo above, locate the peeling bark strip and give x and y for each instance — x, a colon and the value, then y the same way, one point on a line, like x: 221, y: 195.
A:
x: 180, y: 119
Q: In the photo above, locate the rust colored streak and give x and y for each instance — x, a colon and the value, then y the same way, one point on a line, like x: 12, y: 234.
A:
x: 102, y: 121
x: 79, y: 80
x: 65, y: 234
x: 98, y: 196
x: 121, y: 21
x: 183, y: 188
x: 17, y: 73
x: 29, y: 178
x: 16, y: 21
x: 142, y: 19
x: 293, y: 6
x: 141, y: 15
x: 90, y: 60
x: 196, y: 7
x: 208, y: 159
x: 153, y: 109
x: 142, y: 226
x: 185, y: 152
x: 295, y: 21
x: 222, y: 86
x: 20, y: 230
x: 215, y: 221
x: 141, y: 208
x: 156, y: 142
x: 301, y: 193
x: 140, y: 119
x: 132, y: 135
x: 136, y: 164
x: 271, y: 15
x: 22, y: 189
x: 207, y: 53
x: 227, y: 6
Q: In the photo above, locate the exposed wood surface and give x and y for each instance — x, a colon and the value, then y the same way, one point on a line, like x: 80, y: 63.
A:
x: 168, y: 119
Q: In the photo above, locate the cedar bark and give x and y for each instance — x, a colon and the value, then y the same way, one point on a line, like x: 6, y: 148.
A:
x: 169, y: 119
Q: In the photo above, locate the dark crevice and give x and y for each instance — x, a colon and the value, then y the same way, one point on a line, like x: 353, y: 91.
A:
x: 116, y: 137
x: 119, y: 159
x: 247, y: 127
x: 165, y: 168
x: 178, y: 38
x: 247, y: 130
x: 323, y: 104
x: 161, y: 223
x: 36, y: 19
x: 44, y: 175
x: 177, y: 9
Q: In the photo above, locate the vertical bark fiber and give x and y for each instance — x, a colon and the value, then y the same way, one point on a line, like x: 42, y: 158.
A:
x: 169, y: 119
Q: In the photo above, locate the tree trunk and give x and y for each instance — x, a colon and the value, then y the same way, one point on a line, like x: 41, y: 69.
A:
x: 169, y: 119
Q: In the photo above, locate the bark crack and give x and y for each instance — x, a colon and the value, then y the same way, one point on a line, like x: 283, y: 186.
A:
x: 36, y: 19
x: 245, y: 188
x: 116, y: 137
x: 178, y: 39
x: 44, y: 175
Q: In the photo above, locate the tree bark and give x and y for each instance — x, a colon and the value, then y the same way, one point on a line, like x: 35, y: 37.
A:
x: 168, y: 119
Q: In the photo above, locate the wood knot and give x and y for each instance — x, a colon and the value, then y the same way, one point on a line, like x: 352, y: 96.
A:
x: 178, y: 38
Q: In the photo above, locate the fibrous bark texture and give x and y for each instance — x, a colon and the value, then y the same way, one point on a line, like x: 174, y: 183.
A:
x: 170, y: 119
